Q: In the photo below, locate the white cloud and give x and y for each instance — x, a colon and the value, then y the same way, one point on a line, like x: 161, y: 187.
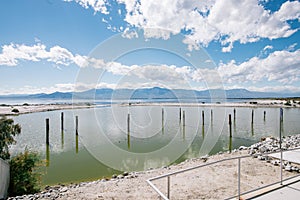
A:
x: 276, y: 88
x: 13, y: 53
x: 281, y: 66
x: 227, y: 21
x: 289, y: 10
x: 292, y: 47
x: 127, y: 33
x: 96, y: 5
x: 268, y: 47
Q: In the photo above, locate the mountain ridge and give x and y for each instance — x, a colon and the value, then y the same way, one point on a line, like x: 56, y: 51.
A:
x: 155, y: 93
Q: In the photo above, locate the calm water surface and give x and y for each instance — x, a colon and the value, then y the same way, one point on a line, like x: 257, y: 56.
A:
x: 156, y: 137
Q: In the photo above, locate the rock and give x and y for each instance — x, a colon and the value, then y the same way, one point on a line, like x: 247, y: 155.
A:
x: 275, y: 162
x: 114, y: 176
x: 62, y: 190
x: 288, y: 168
x: 47, y: 187
x: 263, y: 149
x: 125, y: 173
x: 120, y: 176
x: 261, y: 157
x: 243, y: 148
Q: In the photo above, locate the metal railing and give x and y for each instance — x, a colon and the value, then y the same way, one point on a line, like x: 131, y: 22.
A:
x: 168, y: 175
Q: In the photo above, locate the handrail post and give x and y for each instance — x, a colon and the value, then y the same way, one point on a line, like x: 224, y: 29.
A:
x: 280, y: 142
x: 239, y: 178
x: 168, y: 187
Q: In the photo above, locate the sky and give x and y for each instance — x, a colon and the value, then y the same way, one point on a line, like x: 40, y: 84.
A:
x: 75, y: 45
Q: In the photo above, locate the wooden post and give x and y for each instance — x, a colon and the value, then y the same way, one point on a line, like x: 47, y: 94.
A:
x: 47, y: 131
x: 76, y: 125
x: 62, y: 121
x: 203, y: 117
x: 230, y: 126
x: 230, y: 133
x: 128, y: 123
x: 264, y: 115
x: 234, y: 114
x: 162, y: 117
x: 211, y: 116
x: 179, y: 115
x: 183, y: 118
x: 252, y: 117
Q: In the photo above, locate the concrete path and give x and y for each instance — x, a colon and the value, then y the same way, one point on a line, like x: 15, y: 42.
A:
x: 291, y: 156
x: 289, y: 192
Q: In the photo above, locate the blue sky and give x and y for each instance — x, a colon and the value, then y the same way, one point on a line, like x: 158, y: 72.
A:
x: 49, y: 45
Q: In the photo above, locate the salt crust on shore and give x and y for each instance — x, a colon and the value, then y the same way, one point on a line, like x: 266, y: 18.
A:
x: 23, y: 109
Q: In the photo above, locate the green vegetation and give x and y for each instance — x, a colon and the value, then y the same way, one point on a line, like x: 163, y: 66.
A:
x: 24, y: 178
x: 288, y: 103
x: 15, y: 110
x: 7, y: 132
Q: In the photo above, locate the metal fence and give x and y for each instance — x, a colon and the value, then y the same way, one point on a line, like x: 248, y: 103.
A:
x: 4, y: 178
x: 168, y: 175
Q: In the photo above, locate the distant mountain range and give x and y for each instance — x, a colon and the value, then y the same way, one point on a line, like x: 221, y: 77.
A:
x: 155, y: 93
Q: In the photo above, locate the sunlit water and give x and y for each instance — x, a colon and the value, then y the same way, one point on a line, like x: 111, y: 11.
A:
x: 156, y: 138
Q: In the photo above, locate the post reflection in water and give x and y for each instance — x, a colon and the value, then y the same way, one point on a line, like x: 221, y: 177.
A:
x: 169, y: 121
x: 162, y: 121
x: 47, y: 155
x: 62, y: 140
x: 76, y: 143
x: 128, y: 131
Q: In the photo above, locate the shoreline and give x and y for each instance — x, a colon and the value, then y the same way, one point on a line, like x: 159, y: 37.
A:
x: 7, y: 110
x: 218, y: 181
x: 13, y: 110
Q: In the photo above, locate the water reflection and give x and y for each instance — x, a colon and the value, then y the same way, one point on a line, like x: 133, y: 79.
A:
x: 47, y: 155
x: 163, y: 121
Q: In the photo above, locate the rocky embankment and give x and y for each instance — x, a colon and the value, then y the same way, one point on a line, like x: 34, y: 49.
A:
x: 133, y: 185
x: 58, y: 191
x: 271, y: 144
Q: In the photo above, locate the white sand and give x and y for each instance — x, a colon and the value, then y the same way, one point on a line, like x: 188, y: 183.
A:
x: 212, y: 182
x: 7, y: 110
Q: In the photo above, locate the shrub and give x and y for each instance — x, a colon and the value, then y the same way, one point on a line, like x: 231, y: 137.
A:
x: 15, y: 110
x: 7, y: 132
x: 288, y: 103
x: 24, y: 177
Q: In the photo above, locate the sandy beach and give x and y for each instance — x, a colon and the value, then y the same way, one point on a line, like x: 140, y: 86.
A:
x: 23, y: 109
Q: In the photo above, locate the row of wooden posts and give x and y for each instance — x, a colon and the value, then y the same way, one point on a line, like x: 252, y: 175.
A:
x: 62, y: 127
x: 181, y: 119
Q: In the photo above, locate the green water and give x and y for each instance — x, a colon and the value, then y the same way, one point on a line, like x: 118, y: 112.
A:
x: 156, y: 138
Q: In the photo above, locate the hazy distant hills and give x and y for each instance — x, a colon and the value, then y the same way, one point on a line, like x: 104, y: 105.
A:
x: 156, y: 93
